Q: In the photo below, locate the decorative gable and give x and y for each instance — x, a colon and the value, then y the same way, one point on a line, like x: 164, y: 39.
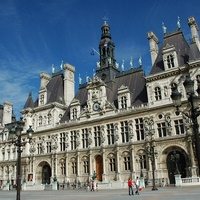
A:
x: 124, y: 97
x: 169, y: 57
x: 74, y: 109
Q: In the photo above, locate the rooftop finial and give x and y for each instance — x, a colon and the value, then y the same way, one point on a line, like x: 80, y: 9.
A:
x: 140, y: 60
x: 61, y: 65
x: 164, y: 28
x: 79, y: 79
x: 105, y: 18
x: 131, y: 63
x: 179, y: 23
x: 53, y: 68
x: 122, y: 65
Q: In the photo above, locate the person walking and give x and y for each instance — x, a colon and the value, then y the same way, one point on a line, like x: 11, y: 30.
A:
x: 92, y: 184
x: 130, y: 187
x: 137, y: 184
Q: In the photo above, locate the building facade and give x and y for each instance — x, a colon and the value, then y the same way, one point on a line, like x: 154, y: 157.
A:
x: 113, y: 122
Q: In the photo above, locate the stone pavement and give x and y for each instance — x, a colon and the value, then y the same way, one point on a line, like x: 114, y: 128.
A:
x: 167, y: 193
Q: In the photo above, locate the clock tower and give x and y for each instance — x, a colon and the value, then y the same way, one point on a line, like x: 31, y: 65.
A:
x: 107, y: 69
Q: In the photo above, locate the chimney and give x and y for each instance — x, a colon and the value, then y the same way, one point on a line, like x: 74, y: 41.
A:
x: 194, y: 31
x: 45, y: 78
x: 69, y: 83
x: 7, y: 112
x: 153, y: 42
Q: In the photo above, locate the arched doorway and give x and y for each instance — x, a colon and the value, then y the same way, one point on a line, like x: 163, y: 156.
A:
x: 46, y: 174
x: 99, y: 167
x: 171, y: 166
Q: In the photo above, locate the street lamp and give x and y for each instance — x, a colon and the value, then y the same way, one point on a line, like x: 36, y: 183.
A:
x: 152, y: 153
x: 150, y: 146
x: 15, y: 135
x: 141, y: 162
x: 194, y: 109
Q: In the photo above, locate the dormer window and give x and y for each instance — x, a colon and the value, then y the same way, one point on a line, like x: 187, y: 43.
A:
x: 169, y: 57
x: 170, y: 61
x: 158, y: 94
x: 40, y: 121
x: 49, y: 119
x: 124, y: 99
x: 42, y: 99
x: 123, y: 102
x: 74, y: 113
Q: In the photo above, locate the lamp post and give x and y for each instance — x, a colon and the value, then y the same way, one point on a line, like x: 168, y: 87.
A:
x: 141, y: 161
x: 15, y: 135
x: 150, y: 146
x: 194, y: 112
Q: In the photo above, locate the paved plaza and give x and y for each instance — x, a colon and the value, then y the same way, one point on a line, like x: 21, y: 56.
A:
x: 167, y: 193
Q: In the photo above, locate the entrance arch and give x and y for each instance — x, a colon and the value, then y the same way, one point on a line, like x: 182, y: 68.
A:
x: 46, y: 174
x: 99, y: 167
x: 171, y: 166
x: 43, y: 173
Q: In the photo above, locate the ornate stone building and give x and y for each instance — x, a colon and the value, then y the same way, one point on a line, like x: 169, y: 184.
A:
x: 113, y: 121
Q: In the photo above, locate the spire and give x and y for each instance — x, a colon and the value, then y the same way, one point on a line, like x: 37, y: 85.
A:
x: 107, y: 65
x: 29, y: 102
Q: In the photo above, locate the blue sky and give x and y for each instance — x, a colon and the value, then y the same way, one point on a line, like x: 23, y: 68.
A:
x: 34, y: 34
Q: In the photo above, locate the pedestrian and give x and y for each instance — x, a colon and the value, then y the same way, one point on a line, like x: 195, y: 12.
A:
x: 92, y: 189
x: 137, y: 185
x: 130, y: 187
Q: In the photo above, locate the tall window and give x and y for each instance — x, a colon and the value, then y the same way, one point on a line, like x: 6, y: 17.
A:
x: 49, y: 119
x: 42, y: 99
x: 63, y: 168
x: 74, y: 167
x: 112, y: 164
x: 40, y: 121
x: 62, y: 141
x: 170, y: 61
x: 97, y: 136
x: 139, y: 128
x: 73, y: 140
x: 124, y: 131
x: 158, y: 94
x: 179, y: 127
x: 84, y: 138
x: 74, y: 113
x: 123, y: 102
x: 110, y: 133
x: 86, y: 166
x: 39, y: 148
x: 127, y: 163
x: 162, y: 131
x: 48, y: 147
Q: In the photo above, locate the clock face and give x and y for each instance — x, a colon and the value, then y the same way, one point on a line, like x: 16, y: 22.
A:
x: 96, y: 106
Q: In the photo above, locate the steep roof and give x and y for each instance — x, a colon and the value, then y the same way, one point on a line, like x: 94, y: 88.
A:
x: 29, y: 102
x: 133, y: 79
x: 55, y: 88
x: 181, y: 46
x: 55, y: 91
